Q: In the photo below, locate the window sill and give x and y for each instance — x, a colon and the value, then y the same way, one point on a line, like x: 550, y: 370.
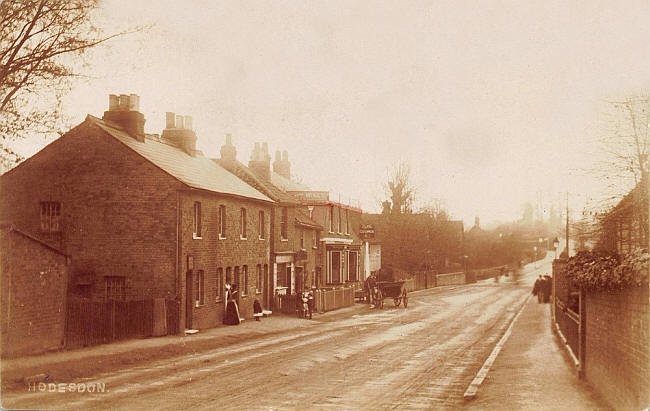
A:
x: 222, y: 237
x: 198, y: 305
x: 284, y: 239
x: 258, y: 292
x: 261, y: 238
x: 218, y: 300
x: 244, y: 296
x: 241, y: 237
x: 196, y: 237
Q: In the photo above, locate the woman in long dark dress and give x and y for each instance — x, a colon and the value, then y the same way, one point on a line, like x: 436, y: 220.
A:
x: 232, y: 310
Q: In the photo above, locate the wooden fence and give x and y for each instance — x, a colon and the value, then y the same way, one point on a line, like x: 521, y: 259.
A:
x: 324, y: 300
x: 91, y: 323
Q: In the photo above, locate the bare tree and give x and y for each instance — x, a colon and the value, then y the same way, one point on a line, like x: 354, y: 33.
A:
x: 41, y: 44
x: 400, y: 189
x: 623, y: 144
x: 622, y: 153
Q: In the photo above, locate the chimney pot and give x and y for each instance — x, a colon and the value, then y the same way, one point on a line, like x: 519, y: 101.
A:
x: 123, y: 111
x: 285, y: 155
x: 134, y: 102
x: 265, y: 150
x: 188, y: 122
x: 124, y: 102
x: 278, y: 155
x: 113, y: 102
x: 228, y: 151
x: 179, y: 121
x: 170, y: 119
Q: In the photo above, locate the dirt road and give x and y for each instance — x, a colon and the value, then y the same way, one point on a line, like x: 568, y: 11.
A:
x: 420, y: 357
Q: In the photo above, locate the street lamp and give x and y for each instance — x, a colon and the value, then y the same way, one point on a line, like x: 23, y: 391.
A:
x: 535, y: 249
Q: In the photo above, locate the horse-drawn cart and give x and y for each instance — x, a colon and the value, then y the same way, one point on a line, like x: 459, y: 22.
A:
x: 390, y: 289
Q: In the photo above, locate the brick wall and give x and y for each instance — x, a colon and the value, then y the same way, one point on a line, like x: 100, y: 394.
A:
x: 33, y: 290
x: 118, y: 211
x: 617, y: 338
x: 210, y: 253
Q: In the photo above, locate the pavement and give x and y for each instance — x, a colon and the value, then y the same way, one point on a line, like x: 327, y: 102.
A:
x: 533, y: 371
x: 89, y: 361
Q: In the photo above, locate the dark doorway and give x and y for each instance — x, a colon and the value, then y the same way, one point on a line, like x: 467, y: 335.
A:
x: 188, y: 300
x: 300, y: 279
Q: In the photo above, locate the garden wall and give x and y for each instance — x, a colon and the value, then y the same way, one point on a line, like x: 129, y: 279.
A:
x: 617, y: 354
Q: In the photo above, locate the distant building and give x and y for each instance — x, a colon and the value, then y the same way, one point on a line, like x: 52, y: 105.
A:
x: 625, y: 226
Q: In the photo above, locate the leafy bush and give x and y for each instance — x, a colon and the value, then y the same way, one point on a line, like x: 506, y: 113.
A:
x: 598, y: 270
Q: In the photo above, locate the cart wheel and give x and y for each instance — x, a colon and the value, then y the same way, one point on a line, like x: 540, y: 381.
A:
x: 406, y: 300
x: 380, y: 300
x: 397, y: 301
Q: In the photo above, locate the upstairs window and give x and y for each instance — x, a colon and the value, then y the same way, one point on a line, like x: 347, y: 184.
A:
x: 222, y: 221
x: 331, y: 219
x: 242, y: 222
x: 50, y: 216
x: 338, y: 227
x: 262, y: 227
x: 302, y: 239
x: 284, y: 222
x: 316, y: 238
x: 197, y: 220
x: 346, y: 221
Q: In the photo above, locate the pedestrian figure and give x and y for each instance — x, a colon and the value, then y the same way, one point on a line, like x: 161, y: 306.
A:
x: 547, y: 286
x: 538, y: 289
x: 232, y: 310
x: 257, y: 310
x: 370, y: 287
x: 310, y: 302
x: 301, y: 303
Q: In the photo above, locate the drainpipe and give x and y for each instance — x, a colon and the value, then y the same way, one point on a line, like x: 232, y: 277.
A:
x: 179, y: 294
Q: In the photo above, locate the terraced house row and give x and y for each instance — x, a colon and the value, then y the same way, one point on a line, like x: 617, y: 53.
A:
x: 148, y: 218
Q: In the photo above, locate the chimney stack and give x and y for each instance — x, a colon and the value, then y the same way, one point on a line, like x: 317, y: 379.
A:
x: 260, y: 162
x: 228, y: 151
x: 178, y: 131
x: 123, y: 110
x: 281, y: 164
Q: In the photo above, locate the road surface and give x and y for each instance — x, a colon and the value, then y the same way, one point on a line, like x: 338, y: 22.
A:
x: 422, y: 357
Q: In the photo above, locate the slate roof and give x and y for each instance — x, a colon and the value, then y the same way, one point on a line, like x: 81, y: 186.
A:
x: 287, y: 184
x: 196, y: 172
x: 246, y: 174
x: 303, y: 219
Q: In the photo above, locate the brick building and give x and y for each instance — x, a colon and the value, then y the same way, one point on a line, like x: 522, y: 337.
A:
x: 144, y: 216
x: 342, y: 259
x: 33, y: 279
x: 295, y: 256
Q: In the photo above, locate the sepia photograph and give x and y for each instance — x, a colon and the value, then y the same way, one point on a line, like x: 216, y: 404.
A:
x: 324, y: 205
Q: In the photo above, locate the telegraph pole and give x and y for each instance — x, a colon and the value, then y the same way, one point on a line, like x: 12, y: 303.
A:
x: 567, y: 224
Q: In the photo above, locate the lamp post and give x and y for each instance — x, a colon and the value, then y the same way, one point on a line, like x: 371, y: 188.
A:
x: 535, y: 249
x: 556, y: 245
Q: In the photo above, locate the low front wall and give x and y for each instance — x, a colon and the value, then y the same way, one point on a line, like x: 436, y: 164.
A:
x: 450, y: 279
x: 617, y: 358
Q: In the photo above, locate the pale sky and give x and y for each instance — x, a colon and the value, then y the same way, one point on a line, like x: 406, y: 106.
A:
x: 492, y: 103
